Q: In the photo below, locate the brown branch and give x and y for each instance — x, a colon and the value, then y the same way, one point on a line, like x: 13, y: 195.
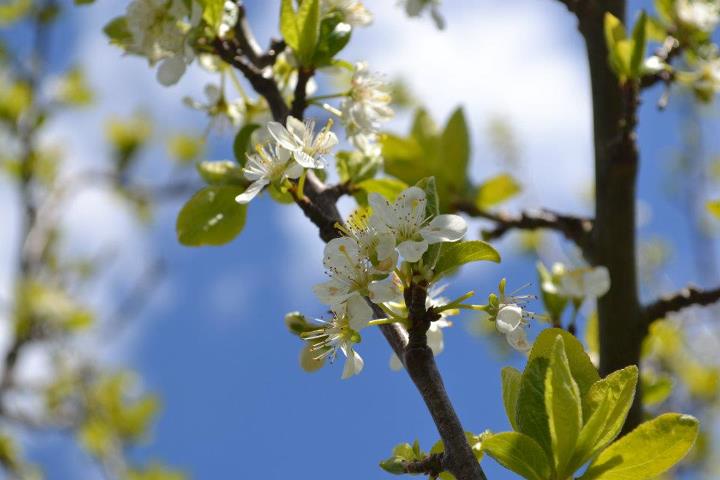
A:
x: 299, y: 103
x: 432, y: 465
x: 685, y: 298
x: 575, y: 229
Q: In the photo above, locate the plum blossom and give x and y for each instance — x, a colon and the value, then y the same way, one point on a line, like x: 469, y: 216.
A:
x: 366, y: 107
x: 414, y: 231
x: 579, y: 283
x: 299, y: 138
x: 270, y: 164
x: 159, y: 34
x: 701, y: 14
x: 353, y: 12
x: 352, y: 274
x: 218, y: 107
x: 341, y: 333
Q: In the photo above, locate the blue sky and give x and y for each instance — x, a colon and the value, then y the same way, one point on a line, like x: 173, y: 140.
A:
x: 214, y: 344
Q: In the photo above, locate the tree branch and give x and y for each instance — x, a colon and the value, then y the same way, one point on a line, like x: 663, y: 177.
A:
x: 687, y: 297
x: 575, y: 229
x: 319, y: 204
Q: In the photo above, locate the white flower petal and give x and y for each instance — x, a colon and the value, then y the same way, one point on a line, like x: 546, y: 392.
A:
x: 412, y: 250
x: 384, y: 291
x: 353, y: 364
x: 445, y: 228
x: 435, y: 339
x: 294, y: 170
x: 508, y: 319
x: 395, y: 363
x: 331, y: 292
x: 359, y: 312
x: 283, y: 138
x: 251, y: 191
x: 171, y: 70
x: 410, y: 206
x: 518, y: 340
x: 597, y: 282
x: 308, y: 161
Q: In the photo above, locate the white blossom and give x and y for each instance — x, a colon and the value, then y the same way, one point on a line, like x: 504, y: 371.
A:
x: 352, y: 274
x: 159, y: 34
x: 579, y: 283
x: 353, y: 12
x: 218, y: 107
x: 366, y: 107
x: 414, y: 231
x: 300, y: 139
x: 269, y: 164
x: 511, y: 321
x: 341, y: 333
x: 701, y: 14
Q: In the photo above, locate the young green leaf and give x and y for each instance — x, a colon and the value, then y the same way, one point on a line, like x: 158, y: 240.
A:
x: 532, y: 418
x: 583, y: 370
x: 453, y: 255
x: 389, y: 188
x: 646, y: 452
x: 562, y: 405
x: 288, y: 24
x: 511, y: 379
x: 213, y: 12
x: 223, y: 172
x: 618, y: 389
x: 639, y: 37
x: 211, y: 217
x: 241, y: 143
x: 334, y: 35
x: 519, y: 453
x: 619, y: 47
x: 496, y: 190
x: 117, y: 31
x: 455, y: 141
x: 308, y: 26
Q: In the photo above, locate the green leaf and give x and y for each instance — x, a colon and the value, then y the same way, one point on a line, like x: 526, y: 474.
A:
x: 511, y: 379
x: 241, y: 144
x: 288, y: 25
x: 583, y: 370
x: 646, y: 452
x: 619, y: 47
x: 213, y: 12
x: 496, y: 190
x: 308, y: 25
x: 117, y: 31
x: 713, y: 207
x: 532, y: 418
x: 334, y: 36
x: 223, y: 172
x: 13, y: 10
x: 608, y: 403
x: 455, y: 146
x: 211, y: 217
x: 563, y: 406
x: 456, y: 254
x: 519, y: 453
x: 656, y: 389
x: 639, y: 36
x: 389, y: 188
x: 618, y: 389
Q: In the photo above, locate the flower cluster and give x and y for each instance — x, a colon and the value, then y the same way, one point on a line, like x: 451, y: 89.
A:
x: 294, y: 147
x: 362, y: 266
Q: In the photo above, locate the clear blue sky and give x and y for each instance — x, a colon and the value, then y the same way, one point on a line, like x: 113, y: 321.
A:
x: 236, y: 404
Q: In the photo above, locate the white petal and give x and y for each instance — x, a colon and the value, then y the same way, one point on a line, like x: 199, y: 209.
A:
x: 294, y: 170
x: 384, y: 291
x: 283, y: 138
x: 385, y: 245
x: 170, y: 70
x: 251, y: 191
x: 382, y: 212
x: 295, y: 126
x: 353, y: 364
x: 308, y: 161
x: 359, y: 312
x: 341, y: 253
x: 445, y: 228
x: 509, y: 318
x: 411, y: 250
x: 435, y: 339
x: 395, y: 363
x: 331, y: 292
x: 597, y: 282
x: 518, y: 340
x: 410, y: 206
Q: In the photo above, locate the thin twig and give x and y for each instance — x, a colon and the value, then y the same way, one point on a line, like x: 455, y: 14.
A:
x: 685, y: 298
x: 576, y: 229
